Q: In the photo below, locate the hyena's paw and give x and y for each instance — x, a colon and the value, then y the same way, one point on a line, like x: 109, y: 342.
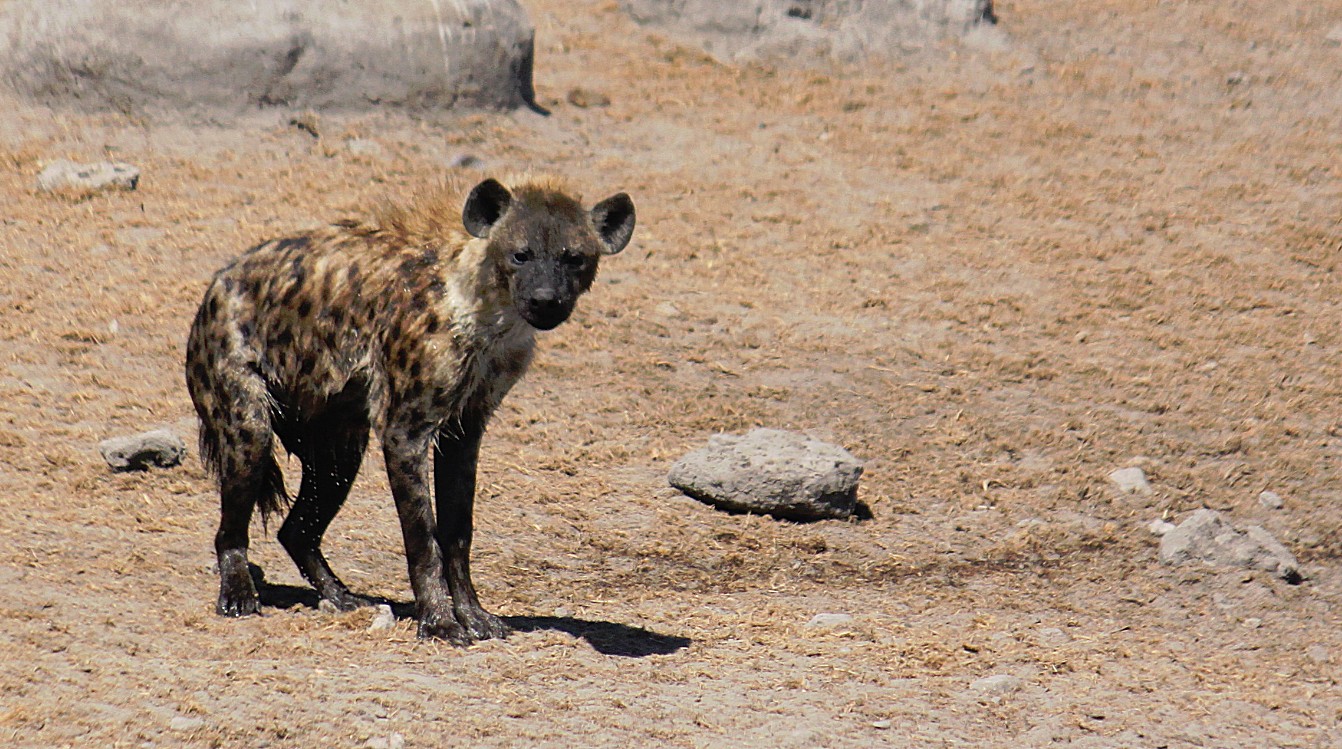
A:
x: 482, y: 625
x: 237, y: 599
x: 438, y: 627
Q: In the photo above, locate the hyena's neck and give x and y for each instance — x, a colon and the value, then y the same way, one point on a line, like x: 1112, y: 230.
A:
x: 481, y: 312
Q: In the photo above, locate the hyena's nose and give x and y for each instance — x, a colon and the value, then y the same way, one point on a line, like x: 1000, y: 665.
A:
x: 544, y: 308
x: 543, y: 295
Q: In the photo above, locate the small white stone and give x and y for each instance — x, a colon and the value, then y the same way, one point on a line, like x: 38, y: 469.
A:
x: 997, y: 684
x: 830, y: 620
x: 64, y: 174
x: 667, y: 309
x: 384, y: 619
x: 183, y: 723
x: 364, y: 147
x: 1252, y: 622
x: 1161, y: 527
x: 881, y: 724
x: 1131, y: 480
x: 1271, y: 500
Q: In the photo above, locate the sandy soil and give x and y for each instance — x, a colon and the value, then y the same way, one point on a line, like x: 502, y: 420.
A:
x: 995, y: 271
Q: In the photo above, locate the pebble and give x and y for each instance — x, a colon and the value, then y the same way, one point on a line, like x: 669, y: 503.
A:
x: 1161, y: 527
x: 997, y: 684
x: 1131, y: 480
x: 667, y: 309
x: 384, y: 619
x: 364, y: 147
x: 829, y: 621
x: 1271, y: 500
x: 105, y: 175
x: 881, y: 724
x: 183, y: 723
x: 394, y: 741
x: 1317, y: 653
x: 1252, y: 622
x: 1335, y: 35
x: 160, y: 448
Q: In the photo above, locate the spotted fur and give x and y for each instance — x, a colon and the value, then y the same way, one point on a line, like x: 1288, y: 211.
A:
x: 413, y: 324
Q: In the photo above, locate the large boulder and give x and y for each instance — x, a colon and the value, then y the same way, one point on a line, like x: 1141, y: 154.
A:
x: 809, y: 30
x: 233, y: 55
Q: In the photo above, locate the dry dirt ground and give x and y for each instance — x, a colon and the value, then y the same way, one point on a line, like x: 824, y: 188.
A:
x: 996, y: 271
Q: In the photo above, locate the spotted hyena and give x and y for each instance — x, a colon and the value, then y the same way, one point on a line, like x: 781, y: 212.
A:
x: 414, y: 324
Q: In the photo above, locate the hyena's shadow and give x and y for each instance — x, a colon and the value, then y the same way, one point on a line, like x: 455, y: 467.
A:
x: 607, y: 638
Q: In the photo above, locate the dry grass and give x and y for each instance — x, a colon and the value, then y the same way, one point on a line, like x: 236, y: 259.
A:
x: 996, y: 276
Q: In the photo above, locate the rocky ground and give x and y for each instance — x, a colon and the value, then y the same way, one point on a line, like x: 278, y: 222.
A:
x: 996, y: 270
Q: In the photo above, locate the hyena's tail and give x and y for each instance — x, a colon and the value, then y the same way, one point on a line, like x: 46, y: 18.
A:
x: 237, y: 440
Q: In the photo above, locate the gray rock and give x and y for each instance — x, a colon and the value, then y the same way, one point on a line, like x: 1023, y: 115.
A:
x: 1208, y: 537
x: 184, y: 723
x: 996, y: 685
x: 160, y: 448
x: 384, y: 619
x: 829, y: 621
x: 221, y: 57
x: 1131, y: 480
x: 394, y: 741
x: 1271, y: 500
x: 768, y: 471
x: 104, y: 175
x: 811, y: 30
x: 1334, y: 35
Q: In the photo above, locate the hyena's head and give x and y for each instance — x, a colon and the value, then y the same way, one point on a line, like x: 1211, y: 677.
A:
x: 543, y: 245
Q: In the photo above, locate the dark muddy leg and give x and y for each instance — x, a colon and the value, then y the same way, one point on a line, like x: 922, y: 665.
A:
x: 248, y: 477
x: 407, y: 457
x: 455, y: 459
x: 331, y: 461
x: 237, y: 594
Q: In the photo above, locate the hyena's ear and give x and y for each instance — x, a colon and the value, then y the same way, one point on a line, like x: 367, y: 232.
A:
x: 614, y: 221
x: 485, y: 205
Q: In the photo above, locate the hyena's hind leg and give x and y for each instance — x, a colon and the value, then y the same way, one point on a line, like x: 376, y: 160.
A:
x: 237, y: 442
x: 331, y: 451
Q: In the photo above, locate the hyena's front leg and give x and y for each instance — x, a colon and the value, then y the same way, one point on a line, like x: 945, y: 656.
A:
x: 455, y: 459
x: 407, y: 458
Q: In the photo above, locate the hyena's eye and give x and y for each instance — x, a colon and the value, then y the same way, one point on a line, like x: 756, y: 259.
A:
x: 520, y: 258
x: 575, y: 259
